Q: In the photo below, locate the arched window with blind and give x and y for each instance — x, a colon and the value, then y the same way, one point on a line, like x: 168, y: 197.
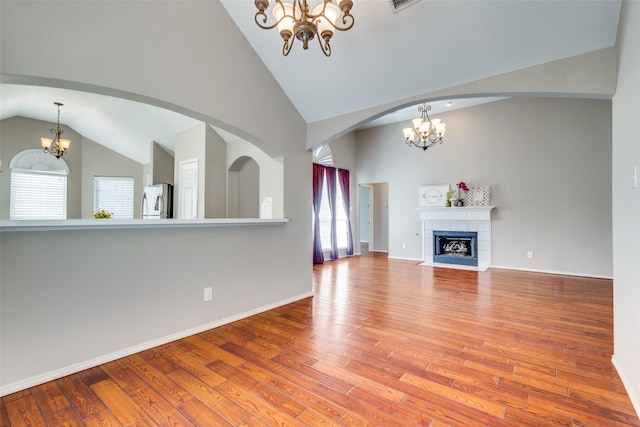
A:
x: 38, y: 186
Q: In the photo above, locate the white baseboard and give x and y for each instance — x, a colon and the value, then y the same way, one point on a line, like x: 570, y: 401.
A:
x: 77, y: 367
x: 405, y: 259
x: 455, y: 266
x: 561, y: 273
x: 631, y: 392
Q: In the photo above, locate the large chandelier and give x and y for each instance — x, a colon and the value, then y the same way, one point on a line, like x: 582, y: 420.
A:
x: 425, y: 132
x: 56, y: 146
x: 294, y: 19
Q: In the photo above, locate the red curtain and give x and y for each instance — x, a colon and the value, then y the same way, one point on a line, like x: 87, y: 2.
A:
x: 343, y: 180
x: 318, y: 178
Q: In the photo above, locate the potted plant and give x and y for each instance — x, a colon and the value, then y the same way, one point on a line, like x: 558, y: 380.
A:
x: 462, y: 186
x: 449, y: 194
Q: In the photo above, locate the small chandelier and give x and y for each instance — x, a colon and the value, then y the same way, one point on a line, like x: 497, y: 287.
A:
x: 425, y: 132
x: 56, y: 146
x: 294, y: 19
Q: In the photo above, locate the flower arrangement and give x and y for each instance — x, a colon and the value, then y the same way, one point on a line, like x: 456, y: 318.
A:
x: 102, y: 214
x: 462, y: 186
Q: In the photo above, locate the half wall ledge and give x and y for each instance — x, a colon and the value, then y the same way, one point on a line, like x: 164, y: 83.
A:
x: 104, y: 224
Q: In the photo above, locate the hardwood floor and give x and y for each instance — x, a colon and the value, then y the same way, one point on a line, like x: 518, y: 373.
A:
x: 383, y: 342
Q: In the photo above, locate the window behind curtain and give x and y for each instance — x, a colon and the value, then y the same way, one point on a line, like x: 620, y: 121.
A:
x: 113, y: 194
x: 38, y: 195
x: 325, y: 219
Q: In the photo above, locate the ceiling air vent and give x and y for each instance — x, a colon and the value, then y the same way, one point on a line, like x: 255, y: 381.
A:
x: 401, y: 4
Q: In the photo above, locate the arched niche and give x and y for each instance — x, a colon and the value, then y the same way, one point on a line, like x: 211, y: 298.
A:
x: 243, y: 195
x: 244, y: 160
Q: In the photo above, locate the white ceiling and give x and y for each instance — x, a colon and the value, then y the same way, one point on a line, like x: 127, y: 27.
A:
x: 386, y: 57
x: 427, y: 46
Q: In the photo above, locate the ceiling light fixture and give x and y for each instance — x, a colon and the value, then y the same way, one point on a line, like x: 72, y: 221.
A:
x: 294, y: 19
x: 425, y: 132
x: 56, y: 146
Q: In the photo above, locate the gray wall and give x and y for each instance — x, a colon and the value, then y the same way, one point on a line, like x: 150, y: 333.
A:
x: 120, y: 291
x: 548, y: 162
x: 163, y: 165
x: 380, y: 218
x: 626, y: 204
x: 98, y: 160
x: 364, y: 203
x: 215, y: 179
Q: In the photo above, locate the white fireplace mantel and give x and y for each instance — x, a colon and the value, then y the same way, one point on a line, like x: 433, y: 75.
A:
x: 468, y: 218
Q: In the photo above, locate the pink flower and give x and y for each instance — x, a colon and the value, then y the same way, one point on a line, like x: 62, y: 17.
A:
x: 462, y: 186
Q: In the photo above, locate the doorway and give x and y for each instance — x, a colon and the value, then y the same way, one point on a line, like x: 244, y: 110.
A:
x: 188, y: 189
x: 374, y: 217
x: 366, y: 214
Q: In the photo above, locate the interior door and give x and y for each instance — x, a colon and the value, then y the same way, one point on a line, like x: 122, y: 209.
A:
x: 188, y: 189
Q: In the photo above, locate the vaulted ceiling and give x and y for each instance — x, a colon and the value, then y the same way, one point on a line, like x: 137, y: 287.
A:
x: 427, y: 46
x: 387, y: 56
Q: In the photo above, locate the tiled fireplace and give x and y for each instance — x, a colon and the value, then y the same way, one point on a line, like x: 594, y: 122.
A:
x: 457, y: 237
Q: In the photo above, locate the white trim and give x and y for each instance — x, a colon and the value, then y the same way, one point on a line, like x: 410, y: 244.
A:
x: 404, y: 258
x: 93, y: 224
x: 453, y: 266
x: 77, y: 367
x: 560, y: 273
x: 631, y: 392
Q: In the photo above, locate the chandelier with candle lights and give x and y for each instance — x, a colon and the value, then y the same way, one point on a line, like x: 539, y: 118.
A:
x: 295, y: 21
x: 57, y: 145
x: 425, y: 132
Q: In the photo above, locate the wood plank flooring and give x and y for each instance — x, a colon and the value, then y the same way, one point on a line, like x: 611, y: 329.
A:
x: 382, y: 343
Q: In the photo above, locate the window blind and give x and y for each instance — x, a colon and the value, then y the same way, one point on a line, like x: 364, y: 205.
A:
x: 113, y: 194
x: 36, y: 195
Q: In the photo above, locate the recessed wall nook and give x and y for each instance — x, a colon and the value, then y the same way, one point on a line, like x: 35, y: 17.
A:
x: 457, y: 237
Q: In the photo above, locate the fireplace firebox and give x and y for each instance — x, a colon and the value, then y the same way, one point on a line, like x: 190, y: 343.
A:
x: 455, y: 247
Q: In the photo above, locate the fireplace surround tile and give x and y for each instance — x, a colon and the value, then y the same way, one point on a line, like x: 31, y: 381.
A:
x: 475, y: 219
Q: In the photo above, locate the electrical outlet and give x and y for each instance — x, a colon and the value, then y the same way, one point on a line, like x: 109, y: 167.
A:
x: 404, y: 246
x: 208, y: 294
x: 529, y: 254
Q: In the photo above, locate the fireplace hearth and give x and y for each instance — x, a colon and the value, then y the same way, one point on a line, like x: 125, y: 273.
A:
x: 455, y: 247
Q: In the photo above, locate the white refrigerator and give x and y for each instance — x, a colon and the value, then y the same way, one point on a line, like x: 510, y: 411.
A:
x: 157, y: 202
